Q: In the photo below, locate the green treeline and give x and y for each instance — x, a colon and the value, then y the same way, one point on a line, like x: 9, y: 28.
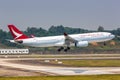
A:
x: 52, y: 31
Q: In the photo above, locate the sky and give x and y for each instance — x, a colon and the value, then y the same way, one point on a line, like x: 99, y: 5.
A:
x: 87, y: 14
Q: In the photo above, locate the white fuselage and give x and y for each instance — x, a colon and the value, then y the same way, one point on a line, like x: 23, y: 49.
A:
x: 60, y: 40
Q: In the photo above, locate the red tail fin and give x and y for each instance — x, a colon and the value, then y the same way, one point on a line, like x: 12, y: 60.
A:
x: 16, y: 33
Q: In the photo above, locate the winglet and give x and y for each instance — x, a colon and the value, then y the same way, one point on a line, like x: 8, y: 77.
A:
x: 65, y: 34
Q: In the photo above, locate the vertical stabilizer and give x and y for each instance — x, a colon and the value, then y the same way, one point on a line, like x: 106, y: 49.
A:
x: 16, y: 33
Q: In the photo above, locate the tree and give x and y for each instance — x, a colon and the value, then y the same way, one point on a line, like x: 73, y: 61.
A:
x: 100, y: 29
x: 56, y: 30
x: 36, y: 31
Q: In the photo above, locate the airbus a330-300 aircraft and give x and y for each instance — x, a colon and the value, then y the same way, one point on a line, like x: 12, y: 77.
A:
x: 63, y: 41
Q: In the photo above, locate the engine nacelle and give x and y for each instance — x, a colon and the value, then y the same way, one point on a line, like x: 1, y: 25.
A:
x: 82, y: 44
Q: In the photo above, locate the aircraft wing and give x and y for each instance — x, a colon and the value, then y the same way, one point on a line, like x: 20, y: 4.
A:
x: 69, y: 40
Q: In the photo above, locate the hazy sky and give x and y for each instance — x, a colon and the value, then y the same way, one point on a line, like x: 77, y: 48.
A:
x: 87, y: 14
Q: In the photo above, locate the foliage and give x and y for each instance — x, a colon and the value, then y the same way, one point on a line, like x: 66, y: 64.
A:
x: 100, y: 29
x: 90, y: 63
x: 80, y: 77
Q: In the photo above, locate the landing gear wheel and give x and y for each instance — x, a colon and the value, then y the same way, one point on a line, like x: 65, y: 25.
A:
x: 61, y: 48
x: 104, y: 44
x: 68, y: 48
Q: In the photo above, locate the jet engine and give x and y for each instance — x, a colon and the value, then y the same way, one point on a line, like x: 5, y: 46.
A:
x: 81, y: 44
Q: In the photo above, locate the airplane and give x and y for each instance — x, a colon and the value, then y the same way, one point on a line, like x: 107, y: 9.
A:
x: 63, y: 41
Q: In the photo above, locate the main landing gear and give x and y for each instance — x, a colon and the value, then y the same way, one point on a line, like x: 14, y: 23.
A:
x: 62, y: 48
x: 104, y: 44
